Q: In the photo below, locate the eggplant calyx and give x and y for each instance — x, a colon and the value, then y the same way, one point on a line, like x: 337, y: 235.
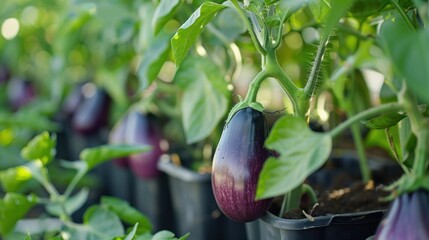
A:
x: 243, y: 104
x: 407, y: 184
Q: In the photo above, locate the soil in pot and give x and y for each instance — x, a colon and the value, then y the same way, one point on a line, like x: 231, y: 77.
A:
x: 359, y: 197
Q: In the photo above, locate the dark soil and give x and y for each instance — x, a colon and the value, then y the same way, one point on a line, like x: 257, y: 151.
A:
x: 357, y: 198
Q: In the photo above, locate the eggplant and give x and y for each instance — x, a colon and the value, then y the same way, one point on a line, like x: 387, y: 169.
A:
x: 117, y: 136
x: 407, y: 218
x: 4, y: 74
x: 73, y: 101
x: 142, y: 129
x: 237, y: 163
x: 20, y: 92
x: 93, y: 112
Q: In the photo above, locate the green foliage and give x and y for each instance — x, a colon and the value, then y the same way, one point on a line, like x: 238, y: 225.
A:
x: 205, y: 97
x: 188, y: 33
x: 301, y: 153
x: 13, y: 207
x: 97, y: 155
x: 41, y: 147
x: 384, y: 121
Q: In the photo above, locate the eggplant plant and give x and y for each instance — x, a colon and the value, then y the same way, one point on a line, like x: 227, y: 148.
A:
x: 396, y: 49
x: 101, y: 221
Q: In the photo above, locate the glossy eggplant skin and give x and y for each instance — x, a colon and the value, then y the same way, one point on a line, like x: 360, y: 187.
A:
x: 92, y: 113
x: 117, y: 136
x: 237, y: 162
x: 142, y: 129
x: 408, y: 218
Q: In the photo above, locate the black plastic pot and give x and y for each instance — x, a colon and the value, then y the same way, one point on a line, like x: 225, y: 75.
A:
x: 152, y: 198
x: 354, y: 226
x: 195, y: 208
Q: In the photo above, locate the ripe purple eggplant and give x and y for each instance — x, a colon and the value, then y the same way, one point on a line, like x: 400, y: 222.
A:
x: 117, y: 136
x: 20, y: 92
x: 237, y: 163
x: 407, y: 218
x: 93, y: 112
x: 142, y: 129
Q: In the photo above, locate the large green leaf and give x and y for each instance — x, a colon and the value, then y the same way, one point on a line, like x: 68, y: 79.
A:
x: 71, y: 205
x: 408, y: 51
x: 205, y: 98
x: 127, y: 213
x: 13, y: 179
x: 384, y: 121
x: 13, y: 207
x: 301, y: 153
x: 286, y: 7
x: 153, y: 59
x: 163, y: 13
x: 188, y: 33
x: 337, y: 10
x: 41, y: 147
x: 99, y: 224
x: 97, y: 155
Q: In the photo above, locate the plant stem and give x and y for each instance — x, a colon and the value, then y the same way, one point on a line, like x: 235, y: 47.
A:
x: 311, y: 84
x: 246, y: 21
x: 363, y: 165
x: 394, y: 151
x: 419, y: 128
x: 74, y: 182
x: 291, y: 200
x: 382, y: 109
x: 274, y: 69
x: 310, y: 192
x: 403, y: 15
x: 254, y: 86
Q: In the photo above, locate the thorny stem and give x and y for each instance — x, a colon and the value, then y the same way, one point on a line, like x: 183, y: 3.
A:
x: 382, y: 109
x: 311, y: 84
x: 255, y: 41
x: 364, y: 169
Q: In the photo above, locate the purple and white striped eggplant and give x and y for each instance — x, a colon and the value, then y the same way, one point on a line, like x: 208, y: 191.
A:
x: 142, y: 129
x: 237, y: 163
x: 408, y: 218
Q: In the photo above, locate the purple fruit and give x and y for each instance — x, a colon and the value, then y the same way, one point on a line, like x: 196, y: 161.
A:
x: 73, y: 101
x: 142, y: 129
x: 20, y: 92
x: 237, y: 163
x: 407, y: 218
x: 93, y: 112
x: 117, y: 136
x: 4, y: 74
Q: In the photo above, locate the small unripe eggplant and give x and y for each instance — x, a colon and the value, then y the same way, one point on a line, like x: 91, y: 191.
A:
x: 117, y: 136
x: 142, y: 129
x: 237, y: 163
x: 20, y: 92
x: 93, y: 112
x: 408, y: 218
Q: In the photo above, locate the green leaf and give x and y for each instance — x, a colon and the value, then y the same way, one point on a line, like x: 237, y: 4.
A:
x: 101, y: 223
x: 205, y: 98
x: 301, y: 153
x: 408, y: 51
x: 13, y: 179
x: 38, y: 226
x: 114, y: 82
x: 336, y: 11
x: 71, y: 205
x: 163, y: 13
x: 41, y: 147
x: 153, y: 59
x: 188, y: 33
x: 167, y: 235
x: 97, y: 155
x: 13, y: 207
x: 384, y: 121
x: 229, y: 23
x: 127, y: 213
x: 286, y: 7
x: 131, y: 235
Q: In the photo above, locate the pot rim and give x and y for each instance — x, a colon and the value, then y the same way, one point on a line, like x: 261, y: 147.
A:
x: 322, y: 221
